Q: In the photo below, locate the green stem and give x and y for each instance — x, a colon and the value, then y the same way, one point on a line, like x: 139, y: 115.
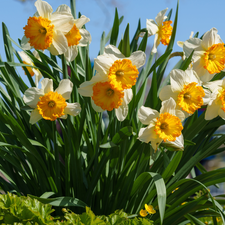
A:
x: 57, y: 162
x: 64, y: 66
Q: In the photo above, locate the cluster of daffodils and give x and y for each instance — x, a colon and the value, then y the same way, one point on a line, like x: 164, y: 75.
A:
x: 58, y: 32
x: 110, y: 88
x: 188, y: 91
x: 149, y: 210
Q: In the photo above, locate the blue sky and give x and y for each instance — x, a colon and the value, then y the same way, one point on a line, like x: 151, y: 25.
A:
x: 194, y: 15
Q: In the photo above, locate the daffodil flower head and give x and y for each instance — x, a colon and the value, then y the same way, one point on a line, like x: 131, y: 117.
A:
x: 186, y: 89
x: 165, y: 125
x: 105, y: 96
x: 122, y: 72
x: 143, y: 213
x: 76, y: 36
x: 33, y: 72
x: 216, y: 107
x: 49, y: 104
x: 160, y: 28
x: 149, y: 210
x: 209, y: 54
x: 46, y: 30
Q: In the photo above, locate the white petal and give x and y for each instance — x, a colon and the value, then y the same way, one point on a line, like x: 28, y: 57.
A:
x: 161, y: 16
x: 35, y: 116
x: 146, y: 115
x: 208, y: 97
x: 178, y: 144
x: 71, y: 53
x: 31, y: 96
x: 113, y: 50
x: 43, y: 8
x: 168, y: 106
x: 25, y: 44
x: 212, y: 111
x: 121, y: 112
x: 62, y: 21
x: 214, y: 85
x: 47, y: 85
x: 53, y: 50
x: 81, y: 21
x: 102, y: 63
x: 177, y: 80
x: 128, y: 95
x: 138, y: 58
x: 221, y: 114
x: 151, y: 27
x: 95, y: 107
x: 85, y: 37
x: 59, y: 43
x: 203, y: 73
x: 65, y: 88
x: 156, y: 43
x: 38, y: 76
x: 191, y: 76
x: 166, y: 92
x: 25, y: 57
x: 64, y: 9
x: 210, y: 38
x: 148, y: 134
x: 180, y: 114
x: 193, y: 44
x: 86, y: 88
x: 72, y: 109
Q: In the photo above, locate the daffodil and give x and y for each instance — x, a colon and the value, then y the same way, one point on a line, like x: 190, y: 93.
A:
x: 49, y: 104
x: 33, y: 72
x: 76, y: 36
x: 105, y: 96
x: 216, y: 107
x: 46, y: 30
x: 165, y: 125
x: 185, y: 88
x: 209, y: 54
x: 122, y: 72
x: 160, y: 28
x: 149, y: 210
x: 143, y: 213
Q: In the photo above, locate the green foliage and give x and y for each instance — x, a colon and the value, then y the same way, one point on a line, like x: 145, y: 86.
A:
x: 26, y: 210
x: 94, y: 166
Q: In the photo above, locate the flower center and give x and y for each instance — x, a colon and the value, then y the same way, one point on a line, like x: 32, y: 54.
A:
x: 191, y: 97
x: 106, y: 96
x: 165, y: 32
x: 168, y: 126
x: 73, y: 36
x: 119, y: 73
x: 29, y: 69
x: 124, y: 73
x: 51, y: 106
x: 214, y: 58
x: 40, y: 32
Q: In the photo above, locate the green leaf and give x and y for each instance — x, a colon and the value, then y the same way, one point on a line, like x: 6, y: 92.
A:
x: 143, y: 43
x: 61, y: 201
x: 126, y: 42
x: 108, y: 145
x: 122, y: 134
x: 115, y: 29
